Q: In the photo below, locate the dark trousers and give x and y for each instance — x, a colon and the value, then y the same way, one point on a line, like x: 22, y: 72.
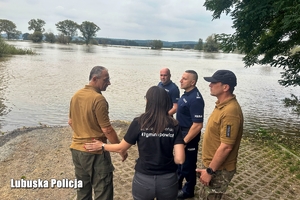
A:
x: 187, y: 170
x: 148, y: 187
x: 96, y: 172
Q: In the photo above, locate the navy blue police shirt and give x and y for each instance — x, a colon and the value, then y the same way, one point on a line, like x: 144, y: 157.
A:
x: 172, y: 90
x: 190, y: 108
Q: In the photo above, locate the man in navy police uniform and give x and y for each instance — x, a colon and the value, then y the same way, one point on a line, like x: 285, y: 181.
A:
x: 190, y: 113
x: 170, y: 87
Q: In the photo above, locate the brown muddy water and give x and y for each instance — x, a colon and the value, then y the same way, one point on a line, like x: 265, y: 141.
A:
x: 36, y: 89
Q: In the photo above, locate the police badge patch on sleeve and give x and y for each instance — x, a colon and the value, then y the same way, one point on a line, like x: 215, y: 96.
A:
x: 228, y: 130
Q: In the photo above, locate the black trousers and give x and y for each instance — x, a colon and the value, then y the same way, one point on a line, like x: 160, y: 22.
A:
x: 187, y: 170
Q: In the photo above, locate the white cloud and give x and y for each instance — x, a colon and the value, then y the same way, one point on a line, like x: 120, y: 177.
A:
x: 174, y: 20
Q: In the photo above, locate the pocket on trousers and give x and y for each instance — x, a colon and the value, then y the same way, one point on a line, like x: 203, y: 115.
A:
x: 105, y: 179
x: 141, y: 188
x: 103, y: 165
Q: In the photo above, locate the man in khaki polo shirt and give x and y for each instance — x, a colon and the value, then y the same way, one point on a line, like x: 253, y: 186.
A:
x: 222, y: 136
x: 88, y: 117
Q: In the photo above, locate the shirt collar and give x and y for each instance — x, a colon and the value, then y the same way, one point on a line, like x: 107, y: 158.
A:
x: 188, y: 93
x: 93, y: 88
x: 221, y: 105
x: 167, y: 83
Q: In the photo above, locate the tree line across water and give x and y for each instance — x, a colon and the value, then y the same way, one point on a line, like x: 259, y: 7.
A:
x: 68, y: 33
x: 68, y: 29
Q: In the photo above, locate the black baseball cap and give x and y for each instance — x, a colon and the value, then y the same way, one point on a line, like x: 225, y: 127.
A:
x: 223, y: 76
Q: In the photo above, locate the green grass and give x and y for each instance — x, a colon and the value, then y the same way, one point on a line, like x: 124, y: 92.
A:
x: 282, y: 147
x: 6, y: 49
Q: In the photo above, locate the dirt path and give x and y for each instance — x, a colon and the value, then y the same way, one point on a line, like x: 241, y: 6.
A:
x: 44, y: 154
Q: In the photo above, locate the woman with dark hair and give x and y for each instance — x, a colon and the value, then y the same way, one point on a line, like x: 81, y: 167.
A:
x: 160, y: 147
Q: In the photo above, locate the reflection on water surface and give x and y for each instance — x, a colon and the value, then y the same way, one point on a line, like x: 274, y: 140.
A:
x: 37, y: 89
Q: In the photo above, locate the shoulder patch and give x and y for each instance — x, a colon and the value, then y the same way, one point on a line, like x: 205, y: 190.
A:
x: 228, y: 130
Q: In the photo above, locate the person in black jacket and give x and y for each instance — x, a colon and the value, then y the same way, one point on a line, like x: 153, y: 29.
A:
x: 160, y: 147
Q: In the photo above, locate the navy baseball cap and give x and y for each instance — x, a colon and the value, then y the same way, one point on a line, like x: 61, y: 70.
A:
x: 223, y: 76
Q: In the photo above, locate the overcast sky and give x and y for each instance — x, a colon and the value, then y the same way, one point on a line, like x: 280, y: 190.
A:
x: 168, y: 20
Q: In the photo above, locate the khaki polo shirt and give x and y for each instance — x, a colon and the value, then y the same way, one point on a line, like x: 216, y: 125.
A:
x: 89, y: 112
x: 225, y: 125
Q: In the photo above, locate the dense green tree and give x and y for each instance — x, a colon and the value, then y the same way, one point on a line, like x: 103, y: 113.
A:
x: 211, y: 44
x: 36, y: 37
x: 36, y: 25
x: 265, y: 31
x: 156, y: 44
x: 9, y: 28
x: 50, y: 37
x: 68, y: 28
x: 88, y: 30
x: 25, y: 36
x: 199, y: 45
x: 14, y: 34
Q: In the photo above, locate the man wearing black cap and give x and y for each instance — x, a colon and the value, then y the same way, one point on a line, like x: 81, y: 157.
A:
x: 222, y: 136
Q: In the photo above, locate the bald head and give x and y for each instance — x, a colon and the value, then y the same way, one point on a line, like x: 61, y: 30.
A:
x: 165, y: 76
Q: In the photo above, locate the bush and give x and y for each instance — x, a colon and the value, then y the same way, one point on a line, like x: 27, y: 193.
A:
x: 50, y: 37
x: 6, y: 49
x: 36, y: 37
x: 156, y: 44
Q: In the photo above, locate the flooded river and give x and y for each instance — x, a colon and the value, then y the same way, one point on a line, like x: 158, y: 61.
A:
x: 36, y: 89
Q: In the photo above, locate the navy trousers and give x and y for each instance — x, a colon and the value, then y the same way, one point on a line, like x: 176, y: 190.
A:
x: 187, y: 170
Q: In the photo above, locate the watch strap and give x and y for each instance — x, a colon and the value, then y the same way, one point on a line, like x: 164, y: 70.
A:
x: 210, y: 171
x: 103, y: 144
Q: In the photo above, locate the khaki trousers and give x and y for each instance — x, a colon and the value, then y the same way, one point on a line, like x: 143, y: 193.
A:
x: 96, y: 173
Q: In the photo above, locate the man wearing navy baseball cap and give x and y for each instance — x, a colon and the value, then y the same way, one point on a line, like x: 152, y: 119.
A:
x: 223, y: 76
x: 222, y: 136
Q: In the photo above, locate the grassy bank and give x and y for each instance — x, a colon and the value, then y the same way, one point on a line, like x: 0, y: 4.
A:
x: 285, y: 149
x: 6, y: 49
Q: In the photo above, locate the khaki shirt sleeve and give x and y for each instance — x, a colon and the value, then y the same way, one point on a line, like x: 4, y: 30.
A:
x: 230, y: 126
x: 101, y: 112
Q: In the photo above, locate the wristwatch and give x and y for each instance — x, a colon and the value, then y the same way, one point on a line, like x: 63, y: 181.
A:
x: 210, y: 171
x: 103, y: 144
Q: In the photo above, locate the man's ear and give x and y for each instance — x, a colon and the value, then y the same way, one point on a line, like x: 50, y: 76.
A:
x: 193, y: 82
x: 94, y: 78
x: 226, y: 87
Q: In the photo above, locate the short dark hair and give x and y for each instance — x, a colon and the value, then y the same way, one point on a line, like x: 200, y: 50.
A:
x: 96, y: 71
x: 194, y: 73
